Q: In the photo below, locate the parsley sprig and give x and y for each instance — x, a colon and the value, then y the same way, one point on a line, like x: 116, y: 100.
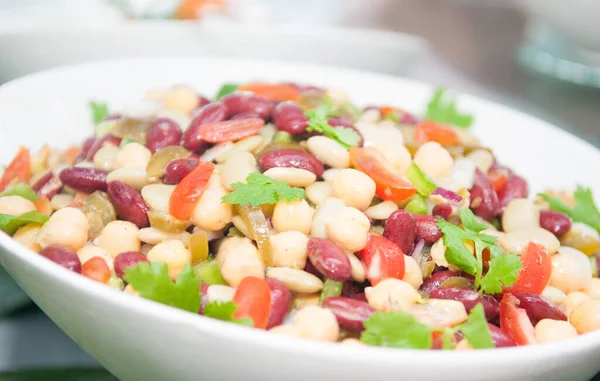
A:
x: 444, y: 110
x: 585, y: 209
x: 260, y: 189
x: 99, y: 111
x: 503, y: 268
x: 318, y: 122
x: 224, y: 311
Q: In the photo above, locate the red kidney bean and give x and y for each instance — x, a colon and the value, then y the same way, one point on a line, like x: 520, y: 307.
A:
x: 500, y: 339
x: 436, y: 279
x: 329, y: 259
x: 401, y: 228
x: 597, y: 263
x: 163, y: 133
x: 538, y: 307
x: 63, y: 256
x: 351, y: 314
x: 202, y: 101
x: 290, y: 158
x: 211, y: 113
x: 305, y: 88
x: 484, y: 200
x: 84, y: 179
x: 281, y: 298
x: 427, y: 228
x: 311, y: 269
x: 443, y: 210
x: 177, y: 169
x: 245, y: 115
x: 407, y: 118
x: 241, y: 102
x: 128, y: 259
x: 515, y: 187
x: 99, y: 143
x: 448, y: 195
x: 469, y: 298
x: 555, y: 222
x: 47, y: 186
x: 85, y: 147
x: 350, y: 289
x: 289, y: 117
x: 128, y: 203
x: 343, y: 122
x: 360, y: 296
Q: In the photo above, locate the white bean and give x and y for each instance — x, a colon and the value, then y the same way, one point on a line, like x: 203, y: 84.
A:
x: 516, y: 241
x: 412, y: 274
x: 153, y: 236
x: 296, y: 280
x: 15, y: 205
x: 571, y: 270
x: 328, y: 151
x: 353, y: 187
x: 295, y: 177
x: 586, y: 316
x: 239, y: 258
x: 349, y: 229
x: 287, y: 329
x: 61, y: 201
x: 173, y: 253
x: 118, y: 237
x: 145, y: 248
x: 434, y: 160
x: 304, y: 300
x: 27, y: 236
x: 439, y: 312
x: 220, y: 293
x: 359, y: 273
x: 210, y: 213
x: 548, y: 330
x: 133, y: 155
x: 182, y: 120
x: 106, y: 157
x: 381, y: 211
x: 157, y: 196
x: 397, y: 155
x: 289, y: 249
x: 330, y: 174
x: 520, y: 213
x: 482, y: 158
x: 237, y: 168
x: 66, y: 227
x: 318, y: 191
x: 295, y: 215
x: 134, y: 177
x: 245, y: 145
x: 181, y: 98
x: 327, y: 210
x: 593, y: 288
x: 574, y: 299
x: 438, y: 253
x: 392, y: 295
x: 90, y: 251
x: 554, y: 295
x: 317, y: 323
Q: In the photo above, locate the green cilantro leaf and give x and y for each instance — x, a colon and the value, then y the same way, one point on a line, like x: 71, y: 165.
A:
x: 585, y: 209
x: 99, y: 111
x: 21, y: 189
x: 456, y: 251
x: 152, y: 282
x: 470, y: 222
x: 9, y: 224
x: 224, y: 311
x: 444, y: 111
x: 226, y: 89
x: 476, y: 330
x: 318, y: 122
x: 396, y: 330
x: 503, y: 271
x: 260, y: 190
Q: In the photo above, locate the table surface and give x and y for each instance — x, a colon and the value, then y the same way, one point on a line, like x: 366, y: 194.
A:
x: 474, y: 51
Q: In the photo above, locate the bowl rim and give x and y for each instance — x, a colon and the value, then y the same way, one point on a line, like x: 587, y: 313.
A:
x: 368, y: 354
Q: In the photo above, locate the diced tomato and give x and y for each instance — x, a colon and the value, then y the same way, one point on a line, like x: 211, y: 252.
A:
x: 430, y: 131
x: 515, y: 322
x: 194, y: 9
x: 70, y: 154
x: 253, y: 299
x: 187, y: 193
x: 43, y: 206
x: 390, y: 186
x: 536, y: 270
x: 96, y: 269
x: 277, y: 93
x: 498, y: 177
x: 230, y: 130
x: 19, y: 168
x: 382, y: 258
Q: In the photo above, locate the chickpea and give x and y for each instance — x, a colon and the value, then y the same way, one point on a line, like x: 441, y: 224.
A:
x: 330, y: 174
x: 593, y: 290
x: 133, y: 155
x: 66, y: 227
x: 516, y: 241
x: 318, y: 191
x: 289, y: 249
x: 397, y: 155
x: 392, y: 295
x: 412, y: 274
x: 574, y: 299
x: 26, y: 236
x: 220, y: 293
x: 548, y: 330
x: 130, y: 290
x: 118, y: 237
x: 145, y: 248
x: 482, y: 158
x: 351, y: 341
x: 519, y: 214
x: 554, y: 295
x: 237, y: 168
x: 210, y: 213
x: 381, y: 211
x: 295, y: 215
x: 434, y: 160
x: 287, y: 329
x: 157, y: 196
x: 317, y: 323
x: 106, y: 157
x: 349, y: 229
x: 571, y: 270
x: 327, y: 209
x: 90, y: 251
x: 353, y: 187
x: 439, y: 312
x: 238, y: 259
x: 586, y: 316
x: 15, y: 205
x: 173, y: 253
x: 359, y: 273
x: 181, y: 98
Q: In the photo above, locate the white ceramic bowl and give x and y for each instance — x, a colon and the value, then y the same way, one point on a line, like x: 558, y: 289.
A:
x: 137, y: 339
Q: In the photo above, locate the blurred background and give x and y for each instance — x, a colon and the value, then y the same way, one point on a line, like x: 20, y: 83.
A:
x: 538, y: 56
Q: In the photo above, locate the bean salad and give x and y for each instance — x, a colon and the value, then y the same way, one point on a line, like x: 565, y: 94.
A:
x: 287, y: 208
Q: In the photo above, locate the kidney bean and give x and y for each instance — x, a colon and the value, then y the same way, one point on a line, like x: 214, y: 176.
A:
x: 555, y: 222
x: 351, y: 314
x: 128, y: 259
x: 484, y: 200
x: 311, y: 269
x: 245, y: 115
x: 63, y: 256
x: 211, y: 113
x: 202, y: 101
x: 515, y: 187
x: 401, y: 228
x: 163, y: 133
x: 427, y: 228
x: 351, y: 289
x: 443, y: 210
x: 281, y: 298
x: 289, y: 117
x: 290, y: 158
x: 500, y: 339
x: 469, y: 298
x: 305, y: 88
x: 177, y: 169
x: 99, y: 143
x: 538, y: 307
x: 448, y: 195
x: 240, y: 102
x: 436, y: 279
x: 329, y: 259
x: 47, y: 186
x: 84, y: 179
x: 85, y: 147
x: 128, y: 203
x: 360, y: 296
x: 407, y: 118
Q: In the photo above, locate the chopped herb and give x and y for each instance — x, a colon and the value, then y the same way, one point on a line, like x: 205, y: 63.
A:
x: 99, y: 111
x: 476, y: 330
x: 396, y: 330
x: 585, y: 209
x: 444, y: 111
x: 318, y: 122
x: 9, y: 224
x: 224, y: 311
x: 226, y: 89
x: 260, y: 190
